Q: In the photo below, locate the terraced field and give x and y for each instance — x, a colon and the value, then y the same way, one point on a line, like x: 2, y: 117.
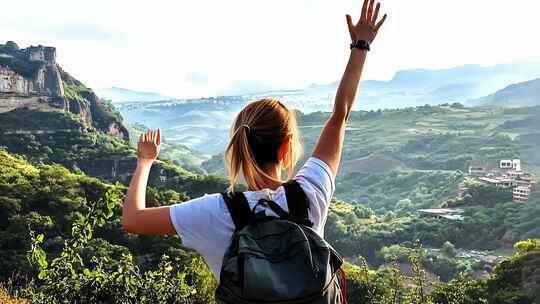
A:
x: 420, y: 154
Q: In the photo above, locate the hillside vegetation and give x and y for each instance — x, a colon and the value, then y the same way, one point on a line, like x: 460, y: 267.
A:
x: 398, y: 161
x: 69, y: 227
x: 65, y: 168
x: 62, y: 138
x: 418, y: 156
x: 515, y: 95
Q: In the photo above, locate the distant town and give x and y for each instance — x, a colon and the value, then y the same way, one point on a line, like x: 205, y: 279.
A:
x: 506, y: 175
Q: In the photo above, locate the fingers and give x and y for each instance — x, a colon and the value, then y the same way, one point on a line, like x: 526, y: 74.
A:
x: 350, y: 25
x: 369, y: 15
x: 378, y: 26
x: 363, y: 16
x: 376, y: 14
x: 151, y: 136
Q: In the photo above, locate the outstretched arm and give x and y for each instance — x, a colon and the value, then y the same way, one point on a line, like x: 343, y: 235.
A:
x: 330, y: 142
x: 136, y: 218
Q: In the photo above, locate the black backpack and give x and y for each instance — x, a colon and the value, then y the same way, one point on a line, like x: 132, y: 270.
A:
x: 278, y: 260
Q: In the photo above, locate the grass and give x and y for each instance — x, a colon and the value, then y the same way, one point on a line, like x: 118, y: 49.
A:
x: 73, y: 92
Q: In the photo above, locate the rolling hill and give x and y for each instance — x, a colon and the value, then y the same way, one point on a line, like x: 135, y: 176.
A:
x: 516, y: 95
x: 417, y: 87
x: 66, y: 159
x: 202, y: 124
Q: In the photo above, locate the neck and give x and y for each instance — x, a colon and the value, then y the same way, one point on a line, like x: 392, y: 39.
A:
x: 273, y: 171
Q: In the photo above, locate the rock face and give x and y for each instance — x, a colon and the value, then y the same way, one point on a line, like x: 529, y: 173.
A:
x: 41, y: 61
x: 11, y: 82
x: 31, y: 78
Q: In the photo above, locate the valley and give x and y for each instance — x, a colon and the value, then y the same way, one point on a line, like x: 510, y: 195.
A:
x: 399, y: 161
x: 67, y: 156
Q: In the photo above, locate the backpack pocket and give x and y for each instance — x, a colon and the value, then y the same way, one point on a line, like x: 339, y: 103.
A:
x: 279, y: 277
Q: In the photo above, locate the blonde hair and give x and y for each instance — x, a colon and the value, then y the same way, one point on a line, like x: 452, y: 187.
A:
x: 255, y: 139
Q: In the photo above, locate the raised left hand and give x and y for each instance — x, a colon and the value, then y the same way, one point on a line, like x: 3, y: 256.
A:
x: 368, y: 26
x: 149, y: 146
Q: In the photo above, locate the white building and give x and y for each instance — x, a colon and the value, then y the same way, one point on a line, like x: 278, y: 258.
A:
x: 512, y: 164
x: 503, y: 182
x: 521, y: 194
x: 447, y: 213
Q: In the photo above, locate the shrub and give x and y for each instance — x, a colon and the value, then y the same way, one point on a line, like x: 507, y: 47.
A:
x: 69, y: 278
x: 526, y: 246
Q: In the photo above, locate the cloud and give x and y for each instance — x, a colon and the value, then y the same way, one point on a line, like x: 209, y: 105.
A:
x: 207, y: 47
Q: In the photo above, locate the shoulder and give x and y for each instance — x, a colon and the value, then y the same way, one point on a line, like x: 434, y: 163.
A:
x: 206, y: 200
x: 206, y: 208
x: 318, y: 182
x: 316, y: 175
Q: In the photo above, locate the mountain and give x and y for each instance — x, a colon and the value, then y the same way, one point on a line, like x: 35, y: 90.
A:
x: 115, y: 94
x: 52, y: 118
x: 31, y: 79
x: 422, y: 86
x: 516, y: 95
x: 60, y: 205
x: 202, y: 124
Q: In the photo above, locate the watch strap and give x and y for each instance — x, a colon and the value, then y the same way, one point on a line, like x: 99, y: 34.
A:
x: 360, y: 44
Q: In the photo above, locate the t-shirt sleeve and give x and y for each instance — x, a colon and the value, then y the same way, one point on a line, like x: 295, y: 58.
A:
x: 318, y: 182
x: 201, y: 221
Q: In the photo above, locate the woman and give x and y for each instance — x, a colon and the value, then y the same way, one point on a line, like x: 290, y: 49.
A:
x: 264, y: 141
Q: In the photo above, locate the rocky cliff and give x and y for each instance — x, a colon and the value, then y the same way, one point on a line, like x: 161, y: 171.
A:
x: 31, y: 78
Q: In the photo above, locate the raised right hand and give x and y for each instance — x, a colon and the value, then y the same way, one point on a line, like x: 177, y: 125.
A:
x: 368, y: 26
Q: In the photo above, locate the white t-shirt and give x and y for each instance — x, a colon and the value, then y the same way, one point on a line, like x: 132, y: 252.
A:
x: 205, y: 224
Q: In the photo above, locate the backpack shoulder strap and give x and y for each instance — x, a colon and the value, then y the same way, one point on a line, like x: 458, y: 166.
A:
x: 238, y: 208
x: 297, y: 202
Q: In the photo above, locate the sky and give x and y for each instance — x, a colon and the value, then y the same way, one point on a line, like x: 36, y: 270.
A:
x: 205, y: 48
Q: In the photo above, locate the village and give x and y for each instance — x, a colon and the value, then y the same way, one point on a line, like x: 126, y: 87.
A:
x: 506, y: 175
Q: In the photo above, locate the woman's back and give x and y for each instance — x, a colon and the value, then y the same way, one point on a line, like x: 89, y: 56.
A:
x: 264, y: 143
x: 205, y: 223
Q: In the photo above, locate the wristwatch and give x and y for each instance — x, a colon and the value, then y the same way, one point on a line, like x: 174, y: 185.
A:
x: 360, y: 44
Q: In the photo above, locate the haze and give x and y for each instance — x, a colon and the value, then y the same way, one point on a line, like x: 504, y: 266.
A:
x: 204, y: 48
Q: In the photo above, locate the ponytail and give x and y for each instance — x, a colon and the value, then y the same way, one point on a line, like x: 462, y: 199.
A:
x: 255, y: 138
